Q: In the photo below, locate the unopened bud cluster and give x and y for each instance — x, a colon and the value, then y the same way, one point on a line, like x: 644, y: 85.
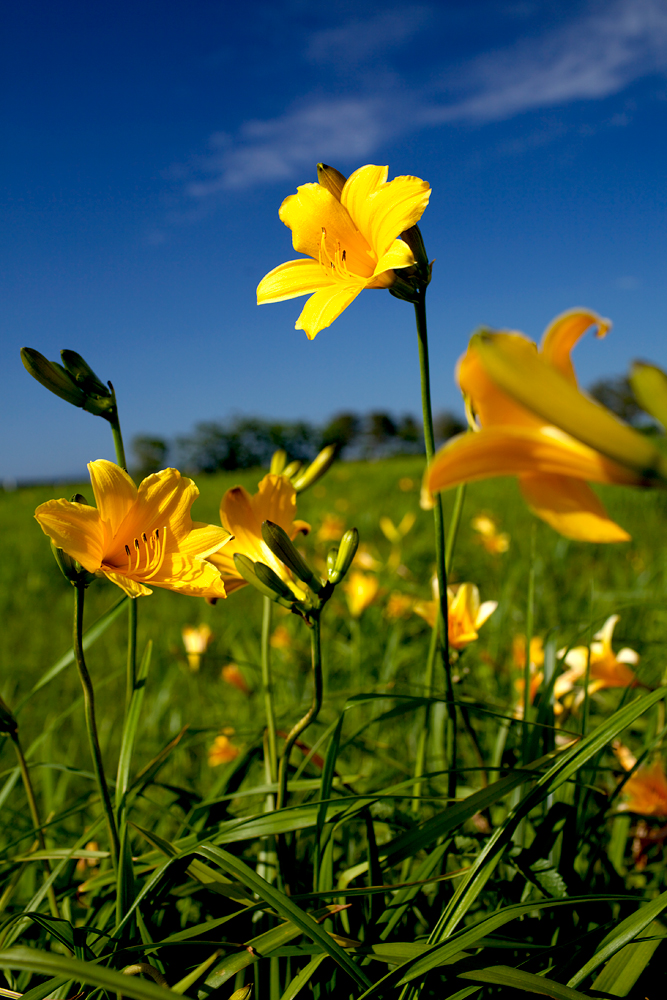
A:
x: 74, y: 381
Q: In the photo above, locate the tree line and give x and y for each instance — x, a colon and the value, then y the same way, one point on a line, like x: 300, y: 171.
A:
x: 244, y: 442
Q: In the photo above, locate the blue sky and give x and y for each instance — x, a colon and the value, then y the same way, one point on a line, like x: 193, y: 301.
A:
x: 148, y: 146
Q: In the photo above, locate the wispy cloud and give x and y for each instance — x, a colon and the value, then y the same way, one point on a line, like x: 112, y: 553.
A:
x: 593, y: 56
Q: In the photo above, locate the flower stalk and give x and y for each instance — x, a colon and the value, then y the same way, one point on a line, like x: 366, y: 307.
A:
x: 267, y: 688
x: 439, y: 524
x: 91, y: 724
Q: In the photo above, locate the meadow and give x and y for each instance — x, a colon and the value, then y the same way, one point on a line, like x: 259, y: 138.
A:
x: 528, y: 876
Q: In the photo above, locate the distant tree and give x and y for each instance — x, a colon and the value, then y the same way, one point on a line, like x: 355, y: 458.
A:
x: 446, y: 425
x: 380, y: 432
x: 616, y: 394
x: 150, y: 455
x: 409, y: 435
x: 245, y: 442
x: 342, y: 431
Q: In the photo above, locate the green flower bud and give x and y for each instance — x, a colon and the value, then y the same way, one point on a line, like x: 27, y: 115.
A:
x: 71, y: 569
x: 649, y: 384
x: 83, y: 374
x: 347, y: 550
x: 332, y: 556
x: 76, y: 383
x: 421, y: 268
x: 291, y: 469
x: 247, y: 569
x: 283, y: 548
x: 315, y: 470
x: 331, y: 179
x: 278, y: 461
x: 52, y: 376
x: 242, y: 994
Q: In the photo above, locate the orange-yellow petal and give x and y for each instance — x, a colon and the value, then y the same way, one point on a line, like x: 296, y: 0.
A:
x: 115, y: 492
x: 295, y: 277
x: 131, y: 587
x: 512, y: 451
x: 392, y: 209
x: 359, y: 187
x: 324, y: 307
x: 399, y: 254
x: 563, y: 333
x: 570, y: 506
x: 313, y: 211
x: 76, y: 528
x: 204, y: 540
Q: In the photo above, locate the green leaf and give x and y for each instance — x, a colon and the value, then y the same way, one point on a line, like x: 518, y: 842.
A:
x: 623, y: 970
x: 46, y: 963
x: 621, y: 935
x: 303, y: 977
x: 503, y: 975
x: 132, y: 721
x: 283, y: 904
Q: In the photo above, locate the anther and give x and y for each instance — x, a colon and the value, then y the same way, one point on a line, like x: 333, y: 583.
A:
x: 127, y: 549
x: 136, y: 544
x: 144, y: 538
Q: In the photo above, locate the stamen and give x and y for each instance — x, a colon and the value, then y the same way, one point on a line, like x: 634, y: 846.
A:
x: 127, y: 549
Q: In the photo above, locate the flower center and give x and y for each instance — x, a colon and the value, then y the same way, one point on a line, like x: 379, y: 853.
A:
x: 146, y: 554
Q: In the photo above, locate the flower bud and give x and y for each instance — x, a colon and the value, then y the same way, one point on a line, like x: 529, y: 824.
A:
x: 247, y: 568
x: 649, y: 384
x: 278, y: 462
x: 316, y: 469
x: 52, y: 376
x: 421, y: 267
x: 242, y: 994
x: 283, y: 548
x: 347, y: 550
x: 71, y: 569
x: 291, y: 469
x: 332, y: 555
x: 331, y: 179
x: 83, y: 374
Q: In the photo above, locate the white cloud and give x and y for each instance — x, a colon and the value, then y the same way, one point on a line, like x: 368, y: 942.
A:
x: 595, y: 55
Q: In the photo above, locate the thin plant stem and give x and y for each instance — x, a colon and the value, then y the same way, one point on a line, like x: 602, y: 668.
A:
x: 439, y: 523
x: 36, y: 821
x: 423, y: 732
x: 131, y: 677
x: 530, y: 619
x: 453, y: 530
x: 118, y: 443
x: 311, y: 714
x: 267, y: 688
x: 91, y: 724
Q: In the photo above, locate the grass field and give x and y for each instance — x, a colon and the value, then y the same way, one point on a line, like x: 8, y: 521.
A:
x: 571, y: 828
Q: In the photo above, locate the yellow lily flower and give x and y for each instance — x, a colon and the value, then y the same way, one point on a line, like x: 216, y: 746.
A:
x: 494, y: 541
x: 552, y: 464
x: 138, y: 536
x: 349, y: 229
x: 360, y: 590
x: 242, y: 515
x: 645, y: 792
x: 607, y: 669
x: 222, y: 751
x: 196, y: 639
x: 465, y: 613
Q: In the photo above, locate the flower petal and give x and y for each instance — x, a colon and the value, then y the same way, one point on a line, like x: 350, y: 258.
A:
x: 193, y: 577
x: 75, y: 528
x: 511, y: 451
x: 490, y: 403
x: 295, y: 277
x: 570, y: 506
x: 325, y: 306
x: 204, y: 540
x: 314, y: 210
x: 399, y: 254
x: 131, y: 587
x: 391, y: 210
x: 114, y: 490
x: 359, y: 187
x: 563, y: 333
x: 275, y: 501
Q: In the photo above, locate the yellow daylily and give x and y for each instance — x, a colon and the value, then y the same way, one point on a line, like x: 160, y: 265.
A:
x: 222, y: 751
x: 196, y: 639
x: 494, y: 541
x: 138, y: 536
x: 466, y: 614
x: 645, y: 791
x: 361, y: 589
x: 242, y: 515
x: 350, y: 229
x: 552, y: 464
x: 607, y: 669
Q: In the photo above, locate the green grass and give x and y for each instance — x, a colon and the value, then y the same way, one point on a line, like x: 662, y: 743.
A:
x: 566, y: 827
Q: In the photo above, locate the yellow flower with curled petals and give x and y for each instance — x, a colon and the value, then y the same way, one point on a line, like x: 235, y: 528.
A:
x: 607, y: 669
x: 138, y: 535
x: 361, y: 589
x: 553, y: 465
x: 466, y: 613
x: 222, y: 751
x: 494, y: 541
x: 349, y: 230
x: 242, y: 515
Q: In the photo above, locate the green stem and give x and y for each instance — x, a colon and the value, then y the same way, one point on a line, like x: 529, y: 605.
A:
x: 439, y: 523
x: 131, y: 679
x: 91, y: 725
x: 530, y: 616
x: 454, y: 525
x: 118, y: 443
x: 267, y: 688
x: 311, y: 714
x: 36, y: 822
x: 423, y: 732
